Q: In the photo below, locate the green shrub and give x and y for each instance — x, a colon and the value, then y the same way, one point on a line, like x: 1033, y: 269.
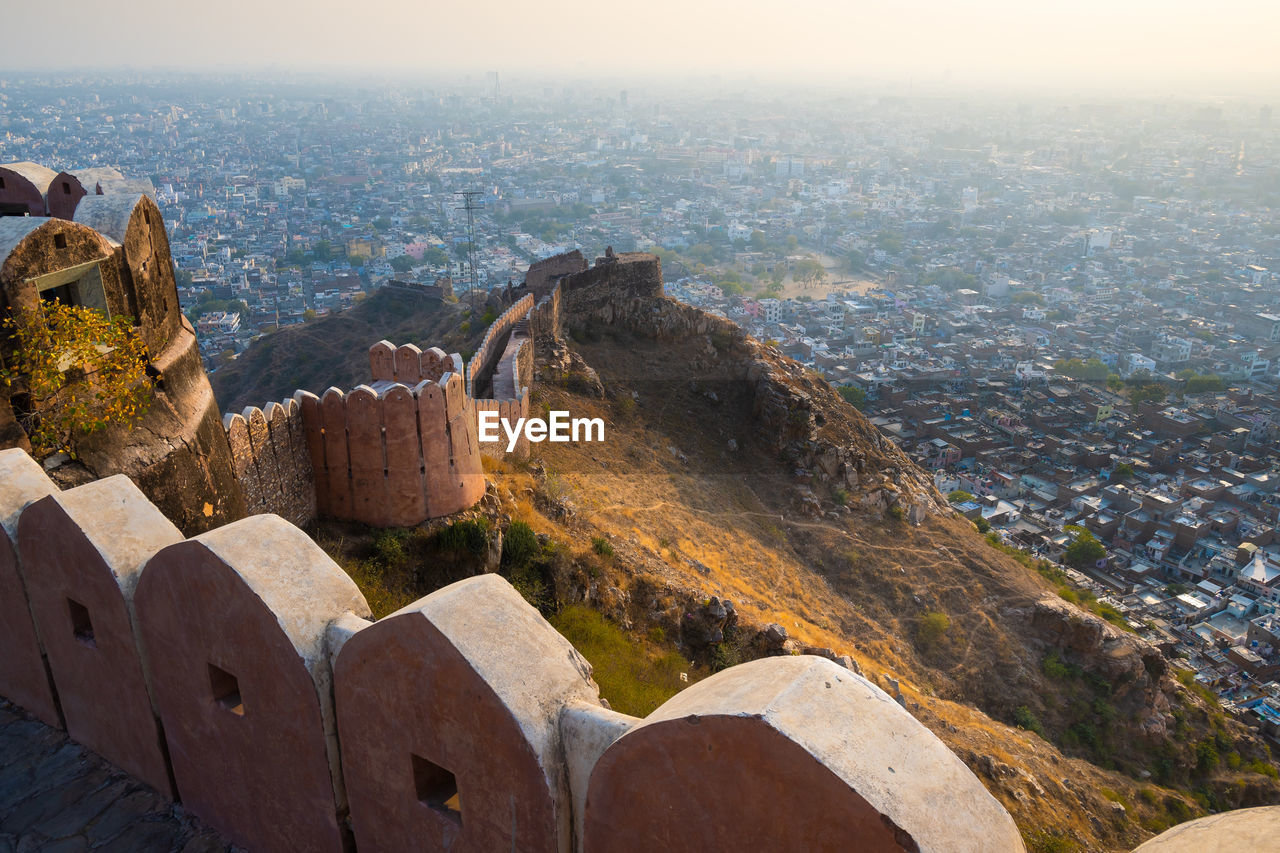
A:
x: 601, y: 546
x: 1054, y: 667
x: 634, y: 678
x: 1024, y: 718
x: 1114, y: 796
x: 1206, y: 756
x: 1265, y: 768
x: 388, y: 545
x: 532, y: 586
x: 467, y: 535
x: 519, y: 545
x: 1049, y: 841
x: 933, y: 627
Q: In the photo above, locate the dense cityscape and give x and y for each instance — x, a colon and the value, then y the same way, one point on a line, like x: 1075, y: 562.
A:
x: 1068, y: 311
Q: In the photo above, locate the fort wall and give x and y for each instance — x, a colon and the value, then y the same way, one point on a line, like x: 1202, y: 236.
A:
x: 542, y: 275
x: 239, y: 672
x: 391, y: 455
x: 480, y: 367
x: 405, y: 447
x: 106, y: 249
x: 270, y: 458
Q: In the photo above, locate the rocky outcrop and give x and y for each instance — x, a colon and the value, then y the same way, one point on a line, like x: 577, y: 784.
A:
x: 796, y: 415
x: 1136, y: 670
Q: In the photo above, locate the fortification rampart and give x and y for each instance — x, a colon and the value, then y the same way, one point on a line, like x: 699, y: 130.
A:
x: 103, y: 246
x: 480, y: 368
x: 270, y: 458
x: 405, y: 447
x: 542, y: 275
x: 239, y: 672
x: 393, y: 455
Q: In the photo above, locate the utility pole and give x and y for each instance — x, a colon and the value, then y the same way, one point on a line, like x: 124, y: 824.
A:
x: 470, y: 205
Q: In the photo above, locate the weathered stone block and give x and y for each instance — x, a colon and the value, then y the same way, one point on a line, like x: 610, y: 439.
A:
x: 235, y: 625
x: 83, y: 551
x: 24, y: 678
x: 448, y: 717
x: 790, y: 753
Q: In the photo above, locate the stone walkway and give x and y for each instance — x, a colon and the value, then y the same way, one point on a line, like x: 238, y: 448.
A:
x: 58, y: 797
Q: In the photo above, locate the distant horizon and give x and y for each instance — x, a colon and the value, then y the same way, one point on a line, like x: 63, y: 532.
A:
x: 1088, y: 48
x: 520, y: 85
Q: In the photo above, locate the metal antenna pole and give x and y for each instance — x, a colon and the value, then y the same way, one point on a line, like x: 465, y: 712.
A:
x: 470, y: 205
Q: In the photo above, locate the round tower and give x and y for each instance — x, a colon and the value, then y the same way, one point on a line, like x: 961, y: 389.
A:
x: 114, y: 257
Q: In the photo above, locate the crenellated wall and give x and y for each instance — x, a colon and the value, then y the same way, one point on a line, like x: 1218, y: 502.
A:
x: 270, y: 459
x: 405, y: 448
x: 391, y: 455
x: 481, y: 366
x: 239, y: 672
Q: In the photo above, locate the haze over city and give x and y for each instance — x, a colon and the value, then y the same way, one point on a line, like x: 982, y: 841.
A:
x: 920, y: 364
x: 1136, y: 47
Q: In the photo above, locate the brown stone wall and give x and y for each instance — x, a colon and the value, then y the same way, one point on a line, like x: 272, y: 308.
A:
x: 544, y: 319
x: 271, y: 461
x: 509, y: 411
x: 65, y: 193
x: 243, y: 687
x: 82, y: 552
x: 25, y: 183
x: 792, y: 753
x: 24, y: 675
x: 481, y: 366
x: 434, y: 702
x: 177, y: 453
x: 394, y: 455
x: 540, y: 275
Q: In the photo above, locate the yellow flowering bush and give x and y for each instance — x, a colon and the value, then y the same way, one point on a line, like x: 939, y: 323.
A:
x: 81, y: 370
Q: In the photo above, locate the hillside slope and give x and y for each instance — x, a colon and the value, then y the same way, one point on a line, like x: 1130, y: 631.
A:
x: 333, y: 350
x: 739, y: 508
x: 730, y: 473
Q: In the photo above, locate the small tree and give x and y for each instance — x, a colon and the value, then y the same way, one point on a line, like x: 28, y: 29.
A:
x: 82, y: 372
x: 809, y: 272
x: 932, y: 628
x: 853, y: 395
x: 1084, y: 550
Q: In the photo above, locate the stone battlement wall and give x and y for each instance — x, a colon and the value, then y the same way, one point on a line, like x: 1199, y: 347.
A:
x: 542, y: 274
x: 481, y: 366
x: 387, y: 455
x: 239, y: 672
x: 391, y: 455
x: 270, y: 459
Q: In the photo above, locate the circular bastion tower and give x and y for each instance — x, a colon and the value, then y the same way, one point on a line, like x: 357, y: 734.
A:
x: 102, y: 244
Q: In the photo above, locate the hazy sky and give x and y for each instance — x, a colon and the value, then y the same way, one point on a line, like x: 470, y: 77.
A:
x: 1156, y: 46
